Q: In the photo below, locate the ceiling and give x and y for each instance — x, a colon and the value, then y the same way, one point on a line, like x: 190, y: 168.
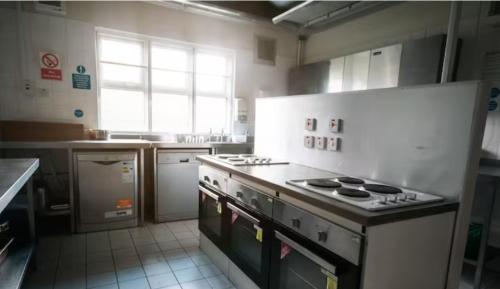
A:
x: 261, y: 9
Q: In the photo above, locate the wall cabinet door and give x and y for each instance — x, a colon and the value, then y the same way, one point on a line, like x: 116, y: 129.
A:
x: 356, y: 68
x: 336, y: 74
x: 384, y: 66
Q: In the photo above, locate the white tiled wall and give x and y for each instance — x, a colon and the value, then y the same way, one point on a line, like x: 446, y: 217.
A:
x: 23, y: 37
x: 74, y: 40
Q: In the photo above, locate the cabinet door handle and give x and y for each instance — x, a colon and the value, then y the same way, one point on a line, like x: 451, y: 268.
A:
x: 184, y: 160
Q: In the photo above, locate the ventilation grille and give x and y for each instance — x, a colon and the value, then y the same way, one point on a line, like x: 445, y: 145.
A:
x: 265, y: 50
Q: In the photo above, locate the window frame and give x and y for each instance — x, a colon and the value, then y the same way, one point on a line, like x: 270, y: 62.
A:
x: 147, y: 43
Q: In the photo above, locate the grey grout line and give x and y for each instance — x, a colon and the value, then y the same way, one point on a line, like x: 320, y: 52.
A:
x: 112, y: 258
x: 54, y: 279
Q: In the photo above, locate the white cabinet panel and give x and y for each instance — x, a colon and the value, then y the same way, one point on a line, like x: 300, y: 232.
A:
x: 384, y: 66
x: 356, y: 71
x: 336, y: 74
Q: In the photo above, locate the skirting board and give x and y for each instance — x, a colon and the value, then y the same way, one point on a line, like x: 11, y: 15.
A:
x: 228, y: 268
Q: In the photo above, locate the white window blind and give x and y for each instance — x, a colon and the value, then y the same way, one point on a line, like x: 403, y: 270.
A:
x: 151, y: 85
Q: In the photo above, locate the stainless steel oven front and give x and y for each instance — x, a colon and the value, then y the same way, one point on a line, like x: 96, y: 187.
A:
x: 250, y: 231
x: 311, y: 253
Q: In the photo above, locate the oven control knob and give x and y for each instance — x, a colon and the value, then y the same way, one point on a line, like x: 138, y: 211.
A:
x: 296, y: 223
x: 393, y: 199
x: 403, y: 197
x: 412, y: 196
x: 322, y: 236
x: 239, y: 194
x: 382, y: 200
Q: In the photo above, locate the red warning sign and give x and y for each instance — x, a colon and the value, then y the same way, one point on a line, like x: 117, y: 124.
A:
x: 50, y: 64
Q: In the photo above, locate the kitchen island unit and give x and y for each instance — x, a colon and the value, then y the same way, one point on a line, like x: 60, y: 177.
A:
x: 294, y: 226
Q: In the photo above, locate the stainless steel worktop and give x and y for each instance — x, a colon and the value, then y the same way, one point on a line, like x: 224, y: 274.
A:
x: 112, y: 144
x: 14, y: 173
x: 274, y: 177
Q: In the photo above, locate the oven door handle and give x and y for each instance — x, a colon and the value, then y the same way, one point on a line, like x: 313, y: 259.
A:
x: 208, y: 193
x: 243, y: 213
x: 308, y: 254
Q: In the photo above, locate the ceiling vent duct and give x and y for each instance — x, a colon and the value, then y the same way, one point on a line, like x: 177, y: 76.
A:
x: 314, y: 16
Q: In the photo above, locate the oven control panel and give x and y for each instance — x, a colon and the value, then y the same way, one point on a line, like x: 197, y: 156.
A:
x: 340, y: 241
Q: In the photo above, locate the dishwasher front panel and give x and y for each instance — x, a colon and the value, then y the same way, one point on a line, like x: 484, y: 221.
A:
x: 177, y: 185
x: 107, y: 190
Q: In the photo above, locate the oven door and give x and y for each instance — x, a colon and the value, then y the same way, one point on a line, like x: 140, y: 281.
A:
x: 211, y: 213
x: 298, y: 263
x: 250, y: 242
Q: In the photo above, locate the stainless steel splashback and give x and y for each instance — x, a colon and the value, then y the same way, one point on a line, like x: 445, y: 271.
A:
x: 417, y: 137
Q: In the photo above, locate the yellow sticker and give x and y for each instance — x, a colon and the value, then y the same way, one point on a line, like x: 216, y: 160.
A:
x: 258, y: 234
x: 331, y: 282
x: 219, y: 208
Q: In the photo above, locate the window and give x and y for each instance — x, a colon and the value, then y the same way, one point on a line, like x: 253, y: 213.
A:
x: 152, y: 85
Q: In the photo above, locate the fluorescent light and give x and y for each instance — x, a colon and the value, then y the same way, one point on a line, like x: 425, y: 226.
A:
x: 207, y: 7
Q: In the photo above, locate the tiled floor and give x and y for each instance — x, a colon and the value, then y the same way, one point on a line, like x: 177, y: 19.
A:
x: 155, y: 256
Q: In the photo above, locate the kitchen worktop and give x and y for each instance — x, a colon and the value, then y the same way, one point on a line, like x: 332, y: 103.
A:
x: 275, y: 177
x: 110, y: 144
x: 14, y: 173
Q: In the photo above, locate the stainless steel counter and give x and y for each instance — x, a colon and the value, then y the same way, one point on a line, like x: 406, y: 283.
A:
x: 14, y: 173
x: 113, y: 144
x: 274, y: 177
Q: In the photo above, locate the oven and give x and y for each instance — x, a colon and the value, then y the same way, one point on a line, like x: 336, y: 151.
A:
x: 212, y: 205
x: 309, y: 252
x: 250, y: 231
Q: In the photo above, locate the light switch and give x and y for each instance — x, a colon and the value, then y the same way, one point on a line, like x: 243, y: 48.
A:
x: 333, y: 143
x: 320, y: 142
x: 310, y: 124
x: 309, y: 141
x: 335, y: 124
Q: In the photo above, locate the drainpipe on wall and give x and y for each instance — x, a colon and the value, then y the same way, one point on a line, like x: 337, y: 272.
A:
x: 301, y: 44
x: 451, y: 42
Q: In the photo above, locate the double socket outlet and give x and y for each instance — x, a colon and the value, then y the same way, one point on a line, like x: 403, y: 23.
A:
x: 331, y: 143
x: 322, y: 143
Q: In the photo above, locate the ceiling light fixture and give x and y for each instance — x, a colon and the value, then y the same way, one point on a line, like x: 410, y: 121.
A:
x: 206, y: 7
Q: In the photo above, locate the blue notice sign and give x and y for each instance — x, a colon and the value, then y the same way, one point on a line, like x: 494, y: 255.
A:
x: 81, y: 80
x: 78, y: 113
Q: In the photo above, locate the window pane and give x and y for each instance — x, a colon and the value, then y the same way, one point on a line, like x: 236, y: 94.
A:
x: 170, y: 58
x: 122, y: 110
x: 171, y: 113
x: 211, y: 64
x: 211, y: 84
x: 169, y: 79
x: 122, y: 51
x: 210, y: 114
x: 122, y: 73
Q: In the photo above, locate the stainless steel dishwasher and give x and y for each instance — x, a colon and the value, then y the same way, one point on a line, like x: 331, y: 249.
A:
x: 176, y: 184
x: 106, y: 187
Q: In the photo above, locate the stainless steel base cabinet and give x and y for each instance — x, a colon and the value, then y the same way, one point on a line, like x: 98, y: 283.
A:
x: 106, y: 186
x: 177, y: 184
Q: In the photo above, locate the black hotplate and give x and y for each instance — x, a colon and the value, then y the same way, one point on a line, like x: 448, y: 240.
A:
x: 382, y: 189
x: 349, y: 180
x: 323, y: 183
x: 353, y: 193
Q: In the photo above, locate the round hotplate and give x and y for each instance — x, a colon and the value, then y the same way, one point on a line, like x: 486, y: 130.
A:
x: 226, y: 156
x: 382, y: 189
x: 323, y: 183
x: 353, y: 193
x: 247, y: 156
x: 349, y: 180
x: 236, y: 159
